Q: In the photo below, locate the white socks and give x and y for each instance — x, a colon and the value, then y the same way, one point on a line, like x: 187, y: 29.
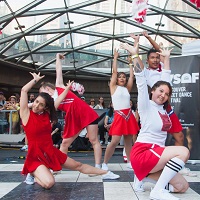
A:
x: 168, y: 187
x: 172, y: 167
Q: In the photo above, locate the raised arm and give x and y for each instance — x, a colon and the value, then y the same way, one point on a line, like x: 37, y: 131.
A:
x: 143, y: 95
x: 136, y: 39
x: 166, y: 72
x: 165, y: 53
x: 114, y: 73
x: 24, y: 109
x: 63, y: 94
x: 133, y: 50
x: 59, y: 75
x: 153, y: 42
x: 131, y: 77
x: 155, y: 45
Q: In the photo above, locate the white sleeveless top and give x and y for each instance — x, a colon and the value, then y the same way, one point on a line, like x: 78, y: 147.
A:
x: 121, y: 98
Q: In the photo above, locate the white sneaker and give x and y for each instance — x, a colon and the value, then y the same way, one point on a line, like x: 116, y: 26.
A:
x: 138, y: 186
x: 110, y: 175
x: 162, y: 194
x: 29, y: 179
x: 24, y: 148
x: 104, y: 166
x: 186, y: 171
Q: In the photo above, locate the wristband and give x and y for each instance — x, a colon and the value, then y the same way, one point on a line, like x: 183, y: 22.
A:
x: 130, y: 64
x: 134, y: 56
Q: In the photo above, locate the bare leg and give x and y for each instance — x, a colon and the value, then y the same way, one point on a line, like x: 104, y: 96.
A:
x: 178, y: 182
x: 44, y: 177
x: 83, y: 168
x: 171, y: 161
x: 26, y: 140
x: 111, y: 148
x: 128, y: 145
x: 66, y: 142
x: 134, y: 138
x: 92, y: 131
x: 169, y: 153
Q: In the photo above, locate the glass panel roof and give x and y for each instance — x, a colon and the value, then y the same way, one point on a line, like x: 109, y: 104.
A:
x: 87, y: 31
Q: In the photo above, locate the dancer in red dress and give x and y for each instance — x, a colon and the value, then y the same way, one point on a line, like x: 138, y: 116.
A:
x: 78, y: 116
x: 42, y: 155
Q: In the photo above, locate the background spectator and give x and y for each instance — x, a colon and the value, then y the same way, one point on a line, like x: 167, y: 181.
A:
x: 13, y: 105
x: 31, y: 98
x: 100, y: 105
x: 92, y: 103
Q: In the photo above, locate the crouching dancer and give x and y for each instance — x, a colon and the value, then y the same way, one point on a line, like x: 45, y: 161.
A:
x: 150, y: 158
x: 42, y: 155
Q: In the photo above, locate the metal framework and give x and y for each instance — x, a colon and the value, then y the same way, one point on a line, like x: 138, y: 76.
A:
x: 84, y: 61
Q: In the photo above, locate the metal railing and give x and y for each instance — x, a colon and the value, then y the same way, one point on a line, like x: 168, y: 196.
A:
x: 5, y: 119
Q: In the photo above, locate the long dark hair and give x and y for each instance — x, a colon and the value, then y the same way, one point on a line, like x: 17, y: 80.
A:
x: 103, y: 101
x: 110, y: 110
x: 49, y: 106
x: 158, y: 84
x: 133, y: 105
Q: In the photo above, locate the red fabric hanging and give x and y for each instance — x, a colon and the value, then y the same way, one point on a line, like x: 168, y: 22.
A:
x: 197, y: 2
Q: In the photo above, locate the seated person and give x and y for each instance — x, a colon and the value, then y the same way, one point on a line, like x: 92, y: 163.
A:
x: 56, y: 134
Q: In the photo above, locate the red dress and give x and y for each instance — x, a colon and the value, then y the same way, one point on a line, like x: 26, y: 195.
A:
x: 78, y: 113
x: 40, y: 145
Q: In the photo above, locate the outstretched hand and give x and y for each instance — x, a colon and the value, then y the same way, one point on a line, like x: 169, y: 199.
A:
x: 145, y: 33
x: 131, y: 49
x: 60, y: 56
x: 116, y: 54
x: 69, y: 84
x: 165, y: 52
x: 36, y: 77
x: 135, y: 37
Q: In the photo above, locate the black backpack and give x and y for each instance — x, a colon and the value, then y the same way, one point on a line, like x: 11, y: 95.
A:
x: 81, y: 144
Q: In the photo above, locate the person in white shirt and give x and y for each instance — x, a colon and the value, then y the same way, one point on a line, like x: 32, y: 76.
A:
x: 150, y: 158
x: 153, y: 74
x: 100, y: 105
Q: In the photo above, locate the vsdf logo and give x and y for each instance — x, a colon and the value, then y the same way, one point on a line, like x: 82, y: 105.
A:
x: 184, y: 78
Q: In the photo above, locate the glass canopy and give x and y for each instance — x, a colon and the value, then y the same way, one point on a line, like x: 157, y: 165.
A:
x: 87, y: 31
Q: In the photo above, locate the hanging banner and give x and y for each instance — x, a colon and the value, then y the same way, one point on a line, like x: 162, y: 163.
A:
x: 185, y: 100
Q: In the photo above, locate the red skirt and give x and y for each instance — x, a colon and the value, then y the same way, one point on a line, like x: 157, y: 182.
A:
x: 78, y: 114
x: 47, y: 155
x: 124, y: 123
x: 176, y: 125
x: 144, y: 157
